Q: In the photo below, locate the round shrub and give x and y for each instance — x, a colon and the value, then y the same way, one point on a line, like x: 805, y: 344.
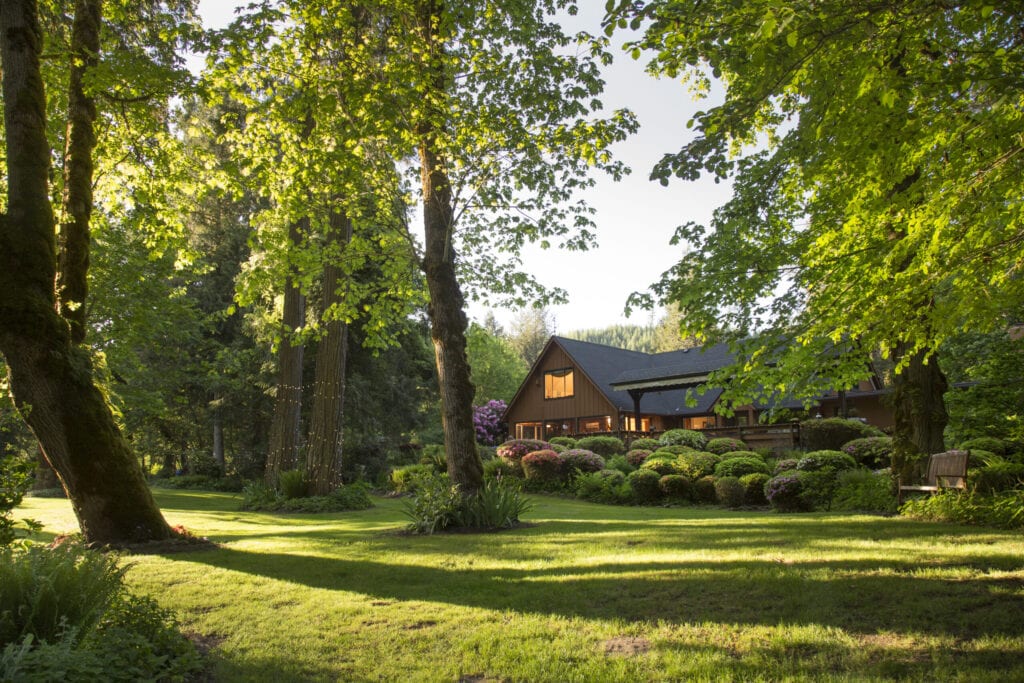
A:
x: 742, y: 454
x: 566, y: 441
x: 513, y: 450
x: 874, y: 452
x: 645, y: 485
x: 543, y: 465
x: 579, y: 460
x: 819, y: 460
x: 675, y: 450
x: 724, y: 445
x: 676, y: 486
x: 729, y: 492
x: 785, y: 493
x: 637, y: 456
x: 784, y: 465
x: 697, y: 464
x: 739, y: 466
x: 984, y: 443
x: 683, y: 437
x: 704, y: 490
x: 403, y: 479
x: 613, y: 477
x: 819, y: 487
x: 619, y: 463
x: 559, y: 448
x: 832, y: 432
x: 645, y: 444
x: 753, y: 487
x: 662, y: 466
x: 605, y: 446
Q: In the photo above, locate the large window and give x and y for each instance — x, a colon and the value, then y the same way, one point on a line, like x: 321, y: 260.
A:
x: 529, y: 430
x: 558, y: 383
x: 589, y: 425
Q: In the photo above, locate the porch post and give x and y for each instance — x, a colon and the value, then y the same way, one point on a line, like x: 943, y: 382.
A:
x: 636, y: 395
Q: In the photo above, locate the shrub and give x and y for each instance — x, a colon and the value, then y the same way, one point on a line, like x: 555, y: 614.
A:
x: 637, y: 456
x: 292, y: 484
x: 614, y: 476
x: 434, y: 506
x: 605, y: 446
x: 543, y: 465
x: 784, y: 465
x: 724, y: 445
x: 15, y: 479
x: 65, y: 615
x: 729, y: 492
x: 402, y: 479
x: 985, y: 443
x: 580, y: 460
x: 675, y: 450
x: 644, y: 484
x: 486, y: 452
x: 676, y: 487
x: 603, y: 487
x: 662, y: 466
x: 488, y: 423
x: 864, y: 491
x: 980, y: 458
x: 205, y: 465
x: 513, y: 450
x: 874, y: 452
x: 495, y: 506
x: 784, y: 493
x: 704, y: 490
x: 559, y: 448
x: 1003, y: 510
x: 739, y: 466
x: 566, y: 441
x: 743, y: 454
x: 753, y: 488
x: 435, y: 456
x: 831, y: 433
x: 502, y: 469
x: 619, y: 463
x: 819, y: 487
x: 258, y: 496
x: 999, y: 476
x: 683, y: 437
x: 697, y: 464
x: 645, y: 444
x: 819, y: 460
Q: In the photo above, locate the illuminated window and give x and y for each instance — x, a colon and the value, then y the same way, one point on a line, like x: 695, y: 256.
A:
x: 630, y: 424
x: 529, y: 430
x: 558, y: 383
x: 596, y: 424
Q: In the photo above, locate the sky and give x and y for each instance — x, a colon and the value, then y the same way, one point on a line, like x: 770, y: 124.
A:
x: 635, y: 217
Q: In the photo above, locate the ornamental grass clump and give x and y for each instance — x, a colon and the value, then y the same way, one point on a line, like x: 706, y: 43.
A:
x: 438, y: 505
x: 542, y: 465
x: 683, y: 437
x: 724, y: 445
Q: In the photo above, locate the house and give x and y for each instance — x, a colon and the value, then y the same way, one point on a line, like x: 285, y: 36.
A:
x: 578, y: 387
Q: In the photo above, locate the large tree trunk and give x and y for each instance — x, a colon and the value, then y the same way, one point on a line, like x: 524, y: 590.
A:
x: 50, y: 379
x: 72, y: 274
x: 285, y: 426
x: 920, y: 413
x: 323, y: 456
x: 447, y: 319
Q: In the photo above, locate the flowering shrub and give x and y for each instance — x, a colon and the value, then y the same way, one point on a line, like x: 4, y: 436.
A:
x: 513, y: 450
x: 874, y: 452
x: 725, y: 445
x: 819, y: 460
x: 729, y: 492
x: 676, y: 486
x: 605, y: 446
x: 697, y: 464
x: 581, y: 460
x: 785, y: 466
x: 753, y: 487
x: 738, y: 466
x: 683, y: 437
x: 490, y: 429
x: 544, y: 465
x: 637, y: 456
x: 784, y: 493
x: 645, y: 485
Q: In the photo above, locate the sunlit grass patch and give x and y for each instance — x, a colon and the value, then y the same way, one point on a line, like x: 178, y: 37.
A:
x: 589, y: 593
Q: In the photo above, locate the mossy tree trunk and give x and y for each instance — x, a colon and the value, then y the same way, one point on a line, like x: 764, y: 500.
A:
x: 50, y: 377
x: 919, y: 409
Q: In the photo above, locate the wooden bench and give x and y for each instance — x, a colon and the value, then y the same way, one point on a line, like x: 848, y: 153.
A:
x: 945, y: 471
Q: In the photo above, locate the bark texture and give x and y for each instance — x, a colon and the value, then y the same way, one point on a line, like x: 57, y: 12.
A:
x: 324, y: 454
x: 51, y: 379
x: 447, y: 319
x: 920, y: 414
x: 286, y: 424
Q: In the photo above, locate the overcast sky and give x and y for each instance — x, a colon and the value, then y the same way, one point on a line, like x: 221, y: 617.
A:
x: 635, y: 217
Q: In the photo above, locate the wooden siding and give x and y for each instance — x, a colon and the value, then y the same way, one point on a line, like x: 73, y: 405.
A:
x: 531, y: 406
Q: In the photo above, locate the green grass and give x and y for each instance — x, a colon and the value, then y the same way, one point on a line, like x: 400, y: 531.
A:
x: 590, y: 593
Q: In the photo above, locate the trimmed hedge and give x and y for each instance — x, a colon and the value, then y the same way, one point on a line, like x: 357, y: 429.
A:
x: 819, y: 460
x: 723, y: 445
x: 683, y: 437
x: 676, y: 486
x: 605, y: 446
x: 544, y: 465
x: 874, y: 452
x: 739, y: 466
x: 753, y: 486
x: 729, y: 492
x: 645, y: 444
x: 832, y: 432
x: 645, y: 485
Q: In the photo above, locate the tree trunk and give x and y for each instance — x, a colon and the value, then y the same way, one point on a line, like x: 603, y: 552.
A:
x: 51, y: 380
x: 447, y: 319
x: 920, y: 413
x: 285, y: 426
x: 218, y: 440
x: 72, y: 273
x: 323, y: 456
x: 45, y: 478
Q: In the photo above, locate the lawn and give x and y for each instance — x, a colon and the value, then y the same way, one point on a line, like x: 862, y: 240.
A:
x: 588, y: 593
